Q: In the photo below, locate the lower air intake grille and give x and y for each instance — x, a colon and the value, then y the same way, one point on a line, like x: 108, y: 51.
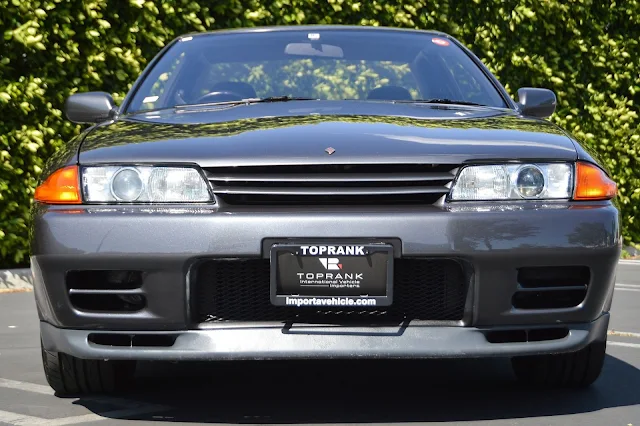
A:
x: 555, y: 287
x: 238, y: 290
x: 106, y: 291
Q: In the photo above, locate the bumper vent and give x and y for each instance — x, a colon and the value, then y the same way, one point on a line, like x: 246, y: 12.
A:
x: 551, y: 287
x: 106, y: 291
x: 524, y: 335
x: 238, y: 291
x: 332, y: 184
x: 132, y: 340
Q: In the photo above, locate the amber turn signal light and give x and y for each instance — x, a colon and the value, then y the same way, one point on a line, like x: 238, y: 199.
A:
x: 62, y: 187
x: 593, y: 184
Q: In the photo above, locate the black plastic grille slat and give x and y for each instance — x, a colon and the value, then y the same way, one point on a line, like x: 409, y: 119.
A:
x: 314, y: 178
x: 238, y: 291
x: 332, y: 183
x: 331, y: 200
x: 307, y: 191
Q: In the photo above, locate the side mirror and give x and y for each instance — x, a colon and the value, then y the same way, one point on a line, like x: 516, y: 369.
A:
x: 90, y: 107
x: 535, y: 102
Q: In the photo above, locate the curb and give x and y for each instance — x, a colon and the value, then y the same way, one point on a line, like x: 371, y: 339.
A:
x: 15, y: 280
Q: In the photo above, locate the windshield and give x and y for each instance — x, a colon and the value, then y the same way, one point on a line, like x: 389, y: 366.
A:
x: 327, y: 64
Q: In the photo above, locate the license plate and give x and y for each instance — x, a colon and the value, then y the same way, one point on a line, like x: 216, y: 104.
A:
x: 332, y: 275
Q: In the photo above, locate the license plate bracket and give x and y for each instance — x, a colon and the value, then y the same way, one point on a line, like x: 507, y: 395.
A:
x: 326, y: 275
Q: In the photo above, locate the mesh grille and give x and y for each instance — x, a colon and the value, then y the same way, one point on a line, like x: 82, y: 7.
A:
x: 238, y: 290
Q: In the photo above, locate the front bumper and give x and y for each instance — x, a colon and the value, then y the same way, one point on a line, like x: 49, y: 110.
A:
x: 493, y: 240
x: 317, y: 342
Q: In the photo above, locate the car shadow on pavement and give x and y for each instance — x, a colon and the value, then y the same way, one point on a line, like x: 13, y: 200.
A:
x: 15, y: 279
x: 365, y: 392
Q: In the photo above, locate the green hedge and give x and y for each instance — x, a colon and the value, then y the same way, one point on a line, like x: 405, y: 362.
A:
x: 587, y: 51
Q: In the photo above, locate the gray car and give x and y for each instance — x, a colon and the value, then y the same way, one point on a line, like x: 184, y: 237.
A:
x: 321, y: 192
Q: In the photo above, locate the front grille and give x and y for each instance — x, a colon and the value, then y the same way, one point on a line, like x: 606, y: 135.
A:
x: 238, y: 290
x: 332, y: 184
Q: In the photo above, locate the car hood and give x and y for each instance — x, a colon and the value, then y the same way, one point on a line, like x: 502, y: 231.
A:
x: 299, y: 132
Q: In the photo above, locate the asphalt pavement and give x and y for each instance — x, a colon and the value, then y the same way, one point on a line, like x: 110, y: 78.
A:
x: 460, y: 392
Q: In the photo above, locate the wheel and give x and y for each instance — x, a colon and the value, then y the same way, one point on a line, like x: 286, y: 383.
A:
x: 571, y: 370
x: 68, y: 375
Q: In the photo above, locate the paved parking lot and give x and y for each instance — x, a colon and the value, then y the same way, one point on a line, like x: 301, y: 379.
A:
x: 446, y: 391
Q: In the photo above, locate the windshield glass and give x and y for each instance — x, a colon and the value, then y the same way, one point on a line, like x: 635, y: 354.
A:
x: 327, y: 64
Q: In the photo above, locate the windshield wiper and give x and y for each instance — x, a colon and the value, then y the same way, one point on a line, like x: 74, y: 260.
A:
x: 441, y: 101
x: 148, y: 111
x: 206, y: 104
x: 247, y: 101
x: 285, y: 98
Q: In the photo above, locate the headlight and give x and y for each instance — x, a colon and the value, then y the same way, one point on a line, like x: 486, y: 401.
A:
x: 144, y: 184
x: 514, y: 182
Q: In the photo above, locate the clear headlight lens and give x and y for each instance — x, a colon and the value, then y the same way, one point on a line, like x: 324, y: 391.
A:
x: 145, y: 184
x: 514, y: 182
x: 126, y: 185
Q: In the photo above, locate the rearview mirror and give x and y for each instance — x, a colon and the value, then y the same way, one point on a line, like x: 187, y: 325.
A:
x: 90, y: 107
x: 536, y: 102
x: 314, y: 49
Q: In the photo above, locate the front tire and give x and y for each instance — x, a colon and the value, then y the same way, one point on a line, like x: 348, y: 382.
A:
x: 569, y: 370
x: 68, y: 375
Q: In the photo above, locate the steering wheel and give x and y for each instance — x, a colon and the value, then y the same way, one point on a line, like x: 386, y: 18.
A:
x: 221, y: 96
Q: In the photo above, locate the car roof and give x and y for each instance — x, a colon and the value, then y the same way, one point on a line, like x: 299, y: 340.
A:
x: 283, y: 28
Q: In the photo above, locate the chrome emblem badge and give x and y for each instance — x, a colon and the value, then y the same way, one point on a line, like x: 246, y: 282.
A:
x: 329, y: 150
